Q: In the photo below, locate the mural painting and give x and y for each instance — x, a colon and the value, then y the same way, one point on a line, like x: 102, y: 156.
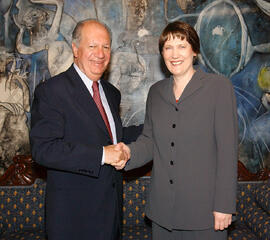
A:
x: 35, y: 44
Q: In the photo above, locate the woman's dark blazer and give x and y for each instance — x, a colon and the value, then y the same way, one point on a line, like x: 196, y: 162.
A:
x: 193, y: 144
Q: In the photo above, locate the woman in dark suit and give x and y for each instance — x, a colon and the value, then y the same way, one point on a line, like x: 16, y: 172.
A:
x: 190, y: 132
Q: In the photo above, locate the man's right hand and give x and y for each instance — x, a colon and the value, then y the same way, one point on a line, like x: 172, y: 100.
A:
x: 115, y: 156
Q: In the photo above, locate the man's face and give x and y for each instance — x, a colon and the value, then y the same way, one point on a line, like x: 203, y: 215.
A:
x: 93, y: 54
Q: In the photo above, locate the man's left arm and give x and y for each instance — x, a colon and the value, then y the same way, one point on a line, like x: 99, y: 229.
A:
x: 131, y: 133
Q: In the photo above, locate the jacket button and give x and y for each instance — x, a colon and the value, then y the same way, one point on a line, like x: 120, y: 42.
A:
x: 173, y: 125
x: 172, y: 144
x: 171, y: 162
x: 171, y: 181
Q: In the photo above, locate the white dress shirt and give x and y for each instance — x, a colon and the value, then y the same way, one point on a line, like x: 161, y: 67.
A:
x: 88, y: 83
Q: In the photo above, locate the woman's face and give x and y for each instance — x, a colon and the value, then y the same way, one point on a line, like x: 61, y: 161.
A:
x: 178, y: 56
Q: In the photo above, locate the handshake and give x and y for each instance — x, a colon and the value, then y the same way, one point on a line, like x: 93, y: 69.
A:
x: 117, y: 155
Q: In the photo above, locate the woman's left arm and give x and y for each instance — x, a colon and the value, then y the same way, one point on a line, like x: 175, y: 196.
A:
x: 226, y: 134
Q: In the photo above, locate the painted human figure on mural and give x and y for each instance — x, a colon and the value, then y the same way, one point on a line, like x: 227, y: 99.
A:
x: 254, y: 147
x: 264, y: 84
x: 14, y: 104
x: 33, y: 20
x: 5, y: 7
x: 259, y: 134
x: 127, y: 72
x: 138, y: 34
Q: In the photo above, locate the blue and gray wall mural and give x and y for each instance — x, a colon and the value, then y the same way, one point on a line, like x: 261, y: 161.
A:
x: 35, y: 44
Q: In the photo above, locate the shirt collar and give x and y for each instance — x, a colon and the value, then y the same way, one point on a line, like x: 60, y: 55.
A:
x: 85, y: 79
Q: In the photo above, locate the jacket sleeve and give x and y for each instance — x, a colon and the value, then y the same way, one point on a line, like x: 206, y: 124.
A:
x: 226, y: 134
x: 48, y: 143
x: 131, y: 133
x: 142, y: 149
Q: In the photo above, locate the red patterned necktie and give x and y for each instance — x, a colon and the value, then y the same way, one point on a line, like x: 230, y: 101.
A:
x: 96, y: 97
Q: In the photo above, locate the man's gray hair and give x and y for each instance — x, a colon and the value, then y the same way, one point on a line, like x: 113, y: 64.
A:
x: 76, y: 34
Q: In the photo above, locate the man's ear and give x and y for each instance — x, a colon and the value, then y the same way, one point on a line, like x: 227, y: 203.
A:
x: 74, y: 50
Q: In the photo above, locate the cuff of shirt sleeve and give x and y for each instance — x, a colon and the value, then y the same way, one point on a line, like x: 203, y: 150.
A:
x: 103, y: 157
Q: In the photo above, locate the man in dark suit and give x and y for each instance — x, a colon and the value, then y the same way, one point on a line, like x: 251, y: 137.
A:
x: 75, y: 117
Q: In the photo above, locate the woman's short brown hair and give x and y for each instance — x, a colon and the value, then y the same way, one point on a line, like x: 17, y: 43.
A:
x: 183, y: 31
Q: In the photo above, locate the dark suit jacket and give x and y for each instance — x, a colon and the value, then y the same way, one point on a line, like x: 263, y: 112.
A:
x: 193, y: 144
x: 67, y: 136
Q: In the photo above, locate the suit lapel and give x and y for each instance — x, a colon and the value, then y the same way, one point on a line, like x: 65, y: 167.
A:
x: 84, y: 99
x: 192, y: 87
